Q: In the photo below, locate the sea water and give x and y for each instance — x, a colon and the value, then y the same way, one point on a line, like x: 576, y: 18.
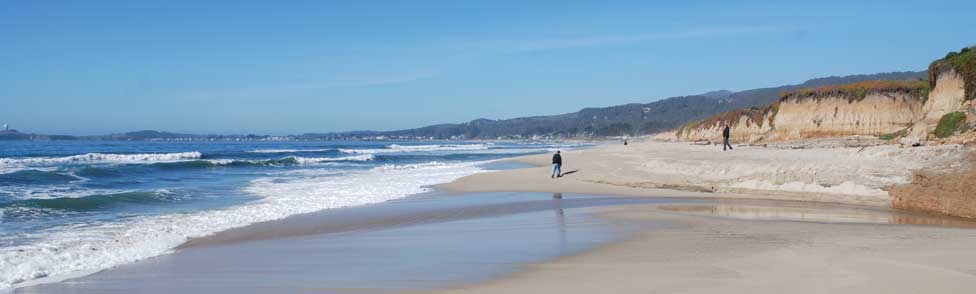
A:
x: 69, y: 207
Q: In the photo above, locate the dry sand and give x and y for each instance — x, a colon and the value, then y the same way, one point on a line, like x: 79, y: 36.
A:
x: 859, y: 175
x: 709, y: 254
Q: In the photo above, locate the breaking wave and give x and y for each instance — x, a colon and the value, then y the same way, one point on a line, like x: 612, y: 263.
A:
x: 420, y: 148
x: 103, y: 157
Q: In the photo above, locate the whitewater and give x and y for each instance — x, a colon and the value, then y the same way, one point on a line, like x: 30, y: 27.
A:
x: 68, y: 209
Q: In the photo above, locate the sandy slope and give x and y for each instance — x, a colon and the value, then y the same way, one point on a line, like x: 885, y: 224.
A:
x: 858, y: 175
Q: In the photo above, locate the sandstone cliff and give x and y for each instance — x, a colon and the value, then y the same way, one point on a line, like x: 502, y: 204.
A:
x: 912, y: 110
x: 747, y: 125
x: 879, y: 112
x: 867, y: 108
x: 945, y: 190
x: 953, y: 83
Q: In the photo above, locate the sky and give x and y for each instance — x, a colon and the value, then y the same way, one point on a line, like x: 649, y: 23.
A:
x: 289, y: 67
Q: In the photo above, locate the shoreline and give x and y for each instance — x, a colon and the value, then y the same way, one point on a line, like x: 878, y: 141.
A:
x: 651, y: 219
x: 394, y: 240
x: 586, y: 180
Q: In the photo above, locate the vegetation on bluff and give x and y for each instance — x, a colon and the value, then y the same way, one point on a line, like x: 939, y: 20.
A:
x: 892, y: 136
x: 950, y: 123
x: 964, y: 63
x: 754, y: 114
x: 857, y: 91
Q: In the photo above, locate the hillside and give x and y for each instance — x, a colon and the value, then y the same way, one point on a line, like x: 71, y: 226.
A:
x: 621, y: 120
x: 630, y: 119
x: 14, y: 135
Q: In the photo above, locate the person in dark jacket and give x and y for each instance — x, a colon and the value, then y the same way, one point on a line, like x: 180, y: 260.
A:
x: 557, y: 163
x: 726, y: 132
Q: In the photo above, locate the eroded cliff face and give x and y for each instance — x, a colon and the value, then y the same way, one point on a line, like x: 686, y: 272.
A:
x: 948, y: 95
x: 745, y: 128
x: 908, y: 110
x: 835, y: 116
x: 801, y: 117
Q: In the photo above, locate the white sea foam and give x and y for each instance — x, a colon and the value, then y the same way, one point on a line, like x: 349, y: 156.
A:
x: 56, y: 191
x: 70, y: 189
x: 221, y: 161
x: 289, y: 150
x: 298, y: 159
x: 439, y: 147
x: 102, y: 157
x: 93, y: 247
x: 420, y: 148
x: 13, y: 167
x: 314, y: 160
x: 387, y: 167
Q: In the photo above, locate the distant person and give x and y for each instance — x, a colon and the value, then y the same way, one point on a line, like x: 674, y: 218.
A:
x: 557, y: 163
x: 726, y: 132
x: 625, y: 142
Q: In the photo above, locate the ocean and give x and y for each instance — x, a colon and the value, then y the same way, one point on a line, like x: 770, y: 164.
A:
x: 70, y: 207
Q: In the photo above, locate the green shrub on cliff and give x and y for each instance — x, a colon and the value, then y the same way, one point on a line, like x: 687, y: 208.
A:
x: 950, y: 123
x: 858, y: 91
x: 892, y: 136
x: 964, y: 63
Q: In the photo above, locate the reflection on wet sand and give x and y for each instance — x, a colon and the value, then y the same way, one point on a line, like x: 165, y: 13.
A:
x: 818, y: 213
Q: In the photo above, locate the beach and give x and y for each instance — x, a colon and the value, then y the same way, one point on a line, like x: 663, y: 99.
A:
x: 466, y: 147
x: 747, y: 250
x: 521, y: 242
x: 512, y: 229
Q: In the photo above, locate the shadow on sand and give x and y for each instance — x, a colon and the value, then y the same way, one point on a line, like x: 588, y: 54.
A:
x: 569, y: 173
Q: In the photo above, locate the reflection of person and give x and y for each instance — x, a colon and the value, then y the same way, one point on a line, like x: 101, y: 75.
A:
x: 557, y: 162
x: 726, y: 132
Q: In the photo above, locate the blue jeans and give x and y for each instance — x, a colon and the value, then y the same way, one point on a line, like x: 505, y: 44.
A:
x: 556, y: 170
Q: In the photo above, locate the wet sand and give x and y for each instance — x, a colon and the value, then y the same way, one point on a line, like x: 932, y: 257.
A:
x: 515, y: 242
x: 736, y: 253
x: 423, y: 242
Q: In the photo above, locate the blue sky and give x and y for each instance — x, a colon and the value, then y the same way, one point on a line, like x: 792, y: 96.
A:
x: 282, y: 67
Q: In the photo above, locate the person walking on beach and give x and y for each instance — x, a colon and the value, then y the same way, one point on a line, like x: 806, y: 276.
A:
x: 557, y: 163
x: 726, y: 132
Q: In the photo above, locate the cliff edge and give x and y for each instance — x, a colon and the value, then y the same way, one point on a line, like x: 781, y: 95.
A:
x: 940, y: 110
